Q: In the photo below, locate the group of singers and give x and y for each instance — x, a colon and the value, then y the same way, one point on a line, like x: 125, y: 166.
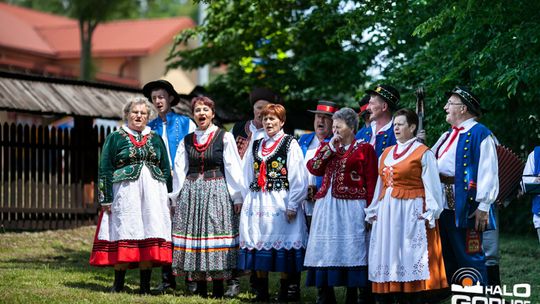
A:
x: 373, y: 210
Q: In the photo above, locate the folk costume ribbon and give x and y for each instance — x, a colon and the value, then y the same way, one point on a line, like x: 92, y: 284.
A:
x: 262, y: 179
x: 455, y: 134
x: 201, y: 148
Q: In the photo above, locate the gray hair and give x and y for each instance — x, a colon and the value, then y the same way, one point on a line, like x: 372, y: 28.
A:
x: 349, y: 116
x: 135, y: 101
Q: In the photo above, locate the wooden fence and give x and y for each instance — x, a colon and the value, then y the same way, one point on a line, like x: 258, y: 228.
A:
x: 47, y: 176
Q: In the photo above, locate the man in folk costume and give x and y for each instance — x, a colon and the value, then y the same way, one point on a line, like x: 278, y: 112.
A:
x: 163, y: 95
x: 467, y: 161
x: 531, y: 174
x: 365, y: 129
x: 310, y: 143
x: 382, y: 103
x: 245, y: 133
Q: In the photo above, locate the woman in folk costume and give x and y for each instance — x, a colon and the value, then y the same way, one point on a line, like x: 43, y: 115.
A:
x: 134, y: 226
x: 207, y: 197
x: 273, y: 232
x: 405, y: 256
x: 338, y: 242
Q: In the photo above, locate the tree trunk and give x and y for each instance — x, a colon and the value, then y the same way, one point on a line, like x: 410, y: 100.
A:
x: 86, y: 29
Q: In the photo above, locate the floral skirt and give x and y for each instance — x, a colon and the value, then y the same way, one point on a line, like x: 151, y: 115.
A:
x: 205, y: 231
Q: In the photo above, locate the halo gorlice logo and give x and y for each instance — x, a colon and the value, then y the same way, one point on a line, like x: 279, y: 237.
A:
x: 467, y: 289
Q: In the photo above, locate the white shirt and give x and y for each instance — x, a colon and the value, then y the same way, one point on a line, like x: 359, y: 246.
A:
x: 529, y: 170
x: 374, y: 131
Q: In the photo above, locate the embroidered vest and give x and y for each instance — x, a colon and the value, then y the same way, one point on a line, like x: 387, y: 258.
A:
x: 467, y: 159
x: 210, y: 159
x: 276, y: 166
x: 242, y: 136
x: 405, y: 177
x: 536, y: 170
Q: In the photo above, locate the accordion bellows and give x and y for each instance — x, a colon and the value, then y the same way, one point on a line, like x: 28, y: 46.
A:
x: 510, y: 170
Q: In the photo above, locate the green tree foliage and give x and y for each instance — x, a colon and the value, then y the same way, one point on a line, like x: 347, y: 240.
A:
x: 314, y: 49
x: 303, y: 49
x: 491, y: 46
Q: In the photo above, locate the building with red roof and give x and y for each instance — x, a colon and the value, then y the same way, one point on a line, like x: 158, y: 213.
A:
x: 128, y: 52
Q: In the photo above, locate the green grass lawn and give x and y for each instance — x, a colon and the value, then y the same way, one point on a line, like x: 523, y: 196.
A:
x: 52, y: 267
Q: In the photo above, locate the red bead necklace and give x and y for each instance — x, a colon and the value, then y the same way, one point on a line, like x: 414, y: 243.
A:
x: 261, y: 180
x: 136, y: 143
x: 266, y: 151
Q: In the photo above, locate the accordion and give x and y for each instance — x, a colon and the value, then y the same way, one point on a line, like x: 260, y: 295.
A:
x: 510, y: 171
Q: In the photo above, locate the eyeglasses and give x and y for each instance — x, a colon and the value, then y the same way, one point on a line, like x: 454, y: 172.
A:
x: 449, y: 103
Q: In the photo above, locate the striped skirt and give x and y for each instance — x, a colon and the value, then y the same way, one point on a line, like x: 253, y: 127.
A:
x: 205, y: 231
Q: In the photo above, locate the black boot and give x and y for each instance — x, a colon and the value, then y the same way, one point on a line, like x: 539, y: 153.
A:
x: 494, y: 277
x: 253, y: 282
x: 283, y: 295
x: 217, y: 289
x: 351, y: 296
x: 326, y: 295
x: 384, y: 299
x: 145, y: 277
x: 202, y: 289
x: 119, y: 277
x: 167, y: 279
x: 365, y: 296
x: 191, y: 286
x: 261, y: 294
x: 294, y: 287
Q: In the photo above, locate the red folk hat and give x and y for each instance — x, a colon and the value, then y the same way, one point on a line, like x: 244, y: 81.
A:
x: 325, y: 107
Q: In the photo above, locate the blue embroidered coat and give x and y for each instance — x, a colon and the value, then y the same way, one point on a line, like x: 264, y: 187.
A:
x: 383, y: 139
x: 304, y: 141
x: 536, y: 171
x: 177, y: 128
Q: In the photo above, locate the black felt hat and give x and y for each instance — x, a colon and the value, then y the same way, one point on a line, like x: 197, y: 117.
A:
x: 468, y: 98
x: 196, y: 92
x: 264, y: 94
x: 161, y: 84
x: 388, y: 93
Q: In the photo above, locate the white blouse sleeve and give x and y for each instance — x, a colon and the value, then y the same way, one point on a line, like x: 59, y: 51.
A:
x: 371, y: 211
x: 233, y: 168
x: 487, y: 185
x: 297, y: 176
x: 247, y: 169
x: 432, y: 187
x: 180, y: 170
